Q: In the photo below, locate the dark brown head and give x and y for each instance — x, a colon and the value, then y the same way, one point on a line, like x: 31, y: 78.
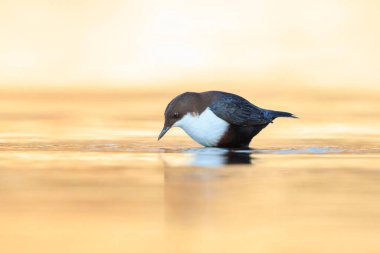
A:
x: 188, y: 102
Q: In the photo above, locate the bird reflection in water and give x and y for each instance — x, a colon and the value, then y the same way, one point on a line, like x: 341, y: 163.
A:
x: 194, y: 189
x: 211, y: 157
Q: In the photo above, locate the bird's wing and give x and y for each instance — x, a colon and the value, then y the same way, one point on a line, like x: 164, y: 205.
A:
x: 238, y: 111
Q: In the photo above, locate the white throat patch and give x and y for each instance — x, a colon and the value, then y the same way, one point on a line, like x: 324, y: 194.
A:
x: 206, y: 128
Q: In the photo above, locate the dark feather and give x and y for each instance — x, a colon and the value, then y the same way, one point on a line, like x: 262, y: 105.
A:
x: 237, y: 110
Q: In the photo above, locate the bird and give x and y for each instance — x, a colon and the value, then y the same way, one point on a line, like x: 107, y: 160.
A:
x: 218, y: 119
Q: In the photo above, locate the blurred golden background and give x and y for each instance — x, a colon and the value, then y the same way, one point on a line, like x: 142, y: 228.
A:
x: 295, y: 42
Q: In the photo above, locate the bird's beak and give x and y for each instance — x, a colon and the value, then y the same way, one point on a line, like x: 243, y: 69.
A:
x: 163, y: 132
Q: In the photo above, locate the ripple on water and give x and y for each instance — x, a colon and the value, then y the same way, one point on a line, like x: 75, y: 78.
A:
x: 149, y: 147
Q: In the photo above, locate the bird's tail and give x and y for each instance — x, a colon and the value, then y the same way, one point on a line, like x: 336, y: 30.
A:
x: 276, y: 114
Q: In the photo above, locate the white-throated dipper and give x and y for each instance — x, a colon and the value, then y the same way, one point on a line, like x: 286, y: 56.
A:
x: 218, y: 119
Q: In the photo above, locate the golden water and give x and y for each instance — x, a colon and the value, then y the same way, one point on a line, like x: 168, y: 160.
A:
x: 82, y: 171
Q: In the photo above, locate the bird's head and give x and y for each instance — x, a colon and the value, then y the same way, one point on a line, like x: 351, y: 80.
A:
x: 180, y: 106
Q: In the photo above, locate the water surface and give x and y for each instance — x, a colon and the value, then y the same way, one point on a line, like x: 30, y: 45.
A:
x: 83, y: 172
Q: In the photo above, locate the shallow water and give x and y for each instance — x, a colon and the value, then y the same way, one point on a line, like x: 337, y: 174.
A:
x: 83, y: 172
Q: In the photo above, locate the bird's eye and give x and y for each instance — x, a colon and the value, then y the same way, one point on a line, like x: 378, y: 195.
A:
x: 176, y: 115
